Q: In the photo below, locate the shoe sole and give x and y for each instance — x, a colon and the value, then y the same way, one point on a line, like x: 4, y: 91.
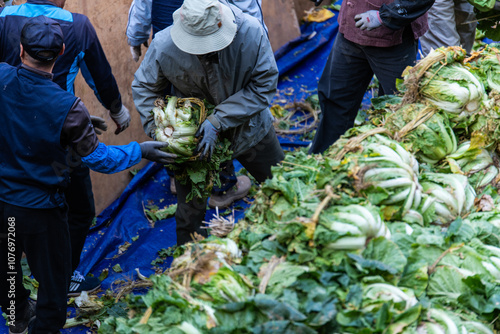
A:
x: 77, y: 294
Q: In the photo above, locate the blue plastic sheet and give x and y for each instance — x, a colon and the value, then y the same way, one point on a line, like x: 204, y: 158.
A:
x: 301, y: 62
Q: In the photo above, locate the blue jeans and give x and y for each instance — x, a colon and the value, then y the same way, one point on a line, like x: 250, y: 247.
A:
x: 347, y: 74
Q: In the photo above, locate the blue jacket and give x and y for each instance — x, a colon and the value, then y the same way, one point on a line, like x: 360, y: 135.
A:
x: 38, y: 123
x: 31, y: 155
x: 83, y: 49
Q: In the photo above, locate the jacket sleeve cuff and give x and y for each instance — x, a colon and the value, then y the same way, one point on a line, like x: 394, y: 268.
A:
x: 215, y: 122
x: 113, y: 159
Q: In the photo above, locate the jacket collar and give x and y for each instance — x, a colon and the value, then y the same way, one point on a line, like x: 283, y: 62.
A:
x: 37, y: 72
x: 41, y: 2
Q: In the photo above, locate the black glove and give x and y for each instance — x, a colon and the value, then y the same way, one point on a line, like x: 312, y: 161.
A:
x: 317, y: 2
x: 99, y: 124
x: 207, y: 143
x: 151, y: 150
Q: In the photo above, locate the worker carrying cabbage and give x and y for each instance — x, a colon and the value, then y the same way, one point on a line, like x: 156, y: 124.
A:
x: 213, y: 51
x: 40, y: 122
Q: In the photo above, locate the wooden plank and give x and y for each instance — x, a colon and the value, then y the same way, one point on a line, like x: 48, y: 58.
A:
x: 281, y: 20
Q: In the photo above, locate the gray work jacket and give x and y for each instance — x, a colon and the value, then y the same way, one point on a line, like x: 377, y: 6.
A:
x: 241, y: 85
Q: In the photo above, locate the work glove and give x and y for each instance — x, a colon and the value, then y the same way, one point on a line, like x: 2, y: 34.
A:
x: 151, y: 150
x: 99, y: 124
x: 121, y: 119
x: 136, y: 51
x: 368, y: 20
x: 207, y: 144
x: 497, y: 6
x: 317, y: 2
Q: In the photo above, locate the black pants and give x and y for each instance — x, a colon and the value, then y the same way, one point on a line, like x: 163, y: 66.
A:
x: 81, y: 210
x: 43, y: 235
x: 347, y: 74
x: 257, y: 160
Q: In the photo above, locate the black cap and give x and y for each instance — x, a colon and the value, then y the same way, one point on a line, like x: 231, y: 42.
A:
x: 42, y: 38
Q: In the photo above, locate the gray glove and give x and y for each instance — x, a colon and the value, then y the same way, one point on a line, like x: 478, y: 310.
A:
x: 121, y: 119
x: 136, y: 51
x: 99, y: 124
x: 497, y: 5
x: 207, y: 143
x: 368, y: 20
x: 151, y: 150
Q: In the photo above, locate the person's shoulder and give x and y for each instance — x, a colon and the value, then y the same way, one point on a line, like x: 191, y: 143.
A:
x: 81, y: 20
x: 6, y: 67
x: 247, y: 24
x: 163, y: 40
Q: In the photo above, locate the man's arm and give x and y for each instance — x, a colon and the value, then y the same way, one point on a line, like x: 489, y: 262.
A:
x: 254, y: 97
x: 149, y: 83
x: 78, y: 133
x: 139, y: 22
x: 97, y: 73
x: 401, y: 13
x: 138, y: 26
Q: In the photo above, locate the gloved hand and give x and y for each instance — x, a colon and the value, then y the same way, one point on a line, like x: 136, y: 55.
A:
x: 121, y: 119
x: 368, y: 20
x: 151, y: 150
x: 136, y: 51
x: 207, y: 144
x: 317, y: 2
x: 99, y: 124
x: 497, y: 5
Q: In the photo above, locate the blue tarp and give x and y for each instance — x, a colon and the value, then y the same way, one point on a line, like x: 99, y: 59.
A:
x: 301, y: 62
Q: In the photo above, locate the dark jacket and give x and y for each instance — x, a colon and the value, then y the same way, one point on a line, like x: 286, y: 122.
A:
x: 83, y: 49
x: 31, y: 155
x: 38, y: 123
x: 396, y: 16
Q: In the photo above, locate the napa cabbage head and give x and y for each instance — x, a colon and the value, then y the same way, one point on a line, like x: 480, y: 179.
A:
x: 452, y: 88
x: 224, y: 286
x: 425, y: 129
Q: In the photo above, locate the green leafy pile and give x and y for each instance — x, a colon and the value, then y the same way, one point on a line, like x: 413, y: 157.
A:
x: 394, y: 229
x: 200, y: 174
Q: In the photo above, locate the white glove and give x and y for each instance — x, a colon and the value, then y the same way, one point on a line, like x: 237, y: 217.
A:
x: 99, y: 124
x: 121, y: 119
x: 136, y: 51
x: 368, y: 20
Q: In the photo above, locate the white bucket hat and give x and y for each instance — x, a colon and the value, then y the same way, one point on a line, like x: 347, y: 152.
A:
x: 203, y: 26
